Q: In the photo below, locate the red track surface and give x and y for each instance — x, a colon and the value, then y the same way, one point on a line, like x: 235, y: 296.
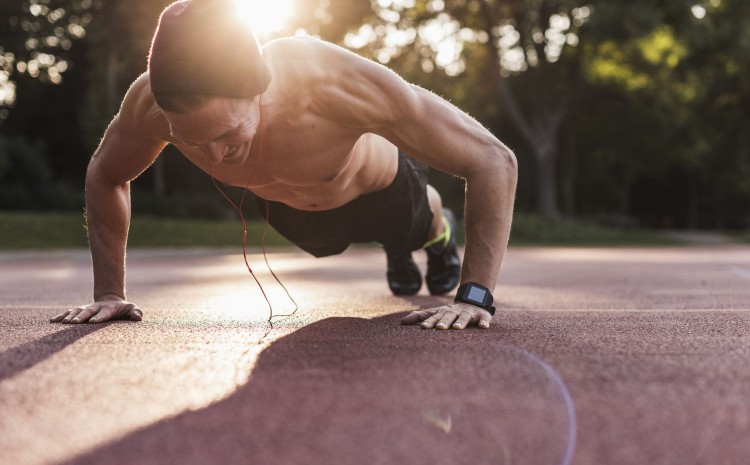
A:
x: 652, y: 345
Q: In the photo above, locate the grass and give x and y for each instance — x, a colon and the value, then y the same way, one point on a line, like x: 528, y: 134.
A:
x: 66, y: 230
x: 535, y: 230
x: 742, y: 237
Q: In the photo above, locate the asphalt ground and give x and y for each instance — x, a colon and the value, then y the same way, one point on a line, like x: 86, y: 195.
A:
x: 596, y: 356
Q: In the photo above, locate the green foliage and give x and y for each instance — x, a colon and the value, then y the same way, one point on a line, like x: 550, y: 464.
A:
x: 653, y: 99
x: 158, y: 232
x: 690, y: 75
x: 23, y: 230
x: 36, y: 36
x: 120, y: 34
x: 23, y: 162
x: 537, y: 230
x: 645, y: 64
x: 27, y: 179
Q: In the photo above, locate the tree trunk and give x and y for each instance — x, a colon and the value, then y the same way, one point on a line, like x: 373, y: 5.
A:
x: 539, y: 125
x: 546, y: 182
x: 625, y: 200
x: 626, y: 182
x: 159, y: 179
x: 568, y: 181
x: 692, y: 206
x: 110, y: 98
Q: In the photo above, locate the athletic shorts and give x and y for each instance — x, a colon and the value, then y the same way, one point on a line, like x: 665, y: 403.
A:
x: 398, y: 217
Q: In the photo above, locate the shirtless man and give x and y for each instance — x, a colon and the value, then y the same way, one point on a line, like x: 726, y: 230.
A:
x: 321, y: 135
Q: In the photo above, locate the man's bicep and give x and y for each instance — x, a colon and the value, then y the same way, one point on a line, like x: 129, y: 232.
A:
x: 123, y: 153
x: 441, y: 135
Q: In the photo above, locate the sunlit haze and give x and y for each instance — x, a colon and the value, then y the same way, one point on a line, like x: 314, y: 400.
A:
x: 264, y: 17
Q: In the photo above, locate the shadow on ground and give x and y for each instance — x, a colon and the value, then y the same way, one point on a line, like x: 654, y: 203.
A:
x: 348, y: 390
x: 25, y: 356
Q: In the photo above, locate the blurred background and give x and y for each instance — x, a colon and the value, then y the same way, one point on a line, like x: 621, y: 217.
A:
x: 624, y: 115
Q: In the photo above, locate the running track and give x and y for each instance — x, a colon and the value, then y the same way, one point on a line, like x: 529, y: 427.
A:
x: 596, y: 356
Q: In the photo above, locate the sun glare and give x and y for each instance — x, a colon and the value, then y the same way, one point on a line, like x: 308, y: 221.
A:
x: 264, y: 16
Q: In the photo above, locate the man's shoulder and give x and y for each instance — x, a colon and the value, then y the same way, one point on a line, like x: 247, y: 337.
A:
x: 139, y: 107
x: 292, y: 46
x: 308, y: 56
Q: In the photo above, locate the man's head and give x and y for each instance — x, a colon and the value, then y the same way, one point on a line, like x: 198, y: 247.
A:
x: 201, y: 48
x: 203, y: 55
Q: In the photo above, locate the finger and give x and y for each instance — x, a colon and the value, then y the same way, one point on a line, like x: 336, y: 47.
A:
x: 430, y: 322
x: 86, y: 314
x: 59, y: 318
x: 135, y: 313
x: 417, y: 316
x: 447, y: 320
x: 117, y: 312
x: 484, y: 320
x: 463, y: 319
x: 106, y: 313
x: 72, y: 314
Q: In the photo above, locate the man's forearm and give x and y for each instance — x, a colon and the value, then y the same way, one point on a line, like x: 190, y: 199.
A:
x: 490, y: 195
x: 108, y: 219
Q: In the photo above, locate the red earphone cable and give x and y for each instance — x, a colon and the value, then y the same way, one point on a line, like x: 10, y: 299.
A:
x: 268, y: 265
x: 265, y: 231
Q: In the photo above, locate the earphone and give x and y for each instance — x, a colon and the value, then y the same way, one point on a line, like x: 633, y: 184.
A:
x: 265, y: 231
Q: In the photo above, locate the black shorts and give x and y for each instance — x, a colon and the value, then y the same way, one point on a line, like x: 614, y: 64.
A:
x: 398, y: 216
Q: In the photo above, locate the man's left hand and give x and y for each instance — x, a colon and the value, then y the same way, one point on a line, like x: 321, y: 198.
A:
x: 455, y: 315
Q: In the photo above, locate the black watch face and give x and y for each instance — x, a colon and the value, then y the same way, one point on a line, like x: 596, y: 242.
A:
x: 476, y: 295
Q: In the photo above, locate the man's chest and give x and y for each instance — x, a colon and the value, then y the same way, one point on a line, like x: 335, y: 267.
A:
x: 302, y: 152
x: 306, y: 151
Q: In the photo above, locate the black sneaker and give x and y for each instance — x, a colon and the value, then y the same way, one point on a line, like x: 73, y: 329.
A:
x: 404, y: 277
x: 443, y: 263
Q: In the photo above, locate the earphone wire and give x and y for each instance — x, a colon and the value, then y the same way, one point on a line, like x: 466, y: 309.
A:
x: 238, y: 209
x: 268, y: 265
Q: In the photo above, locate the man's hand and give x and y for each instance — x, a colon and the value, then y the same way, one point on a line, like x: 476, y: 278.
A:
x: 455, y: 315
x: 99, y: 312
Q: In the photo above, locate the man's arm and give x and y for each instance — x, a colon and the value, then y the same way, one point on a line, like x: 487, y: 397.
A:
x: 130, y: 144
x: 373, y: 98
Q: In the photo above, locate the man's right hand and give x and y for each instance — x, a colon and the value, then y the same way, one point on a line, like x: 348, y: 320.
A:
x: 99, y: 312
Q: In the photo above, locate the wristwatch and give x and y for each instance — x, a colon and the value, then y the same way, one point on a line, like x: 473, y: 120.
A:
x: 476, y: 295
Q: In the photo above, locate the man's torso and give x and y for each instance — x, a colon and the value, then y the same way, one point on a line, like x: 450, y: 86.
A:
x: 300, y: 158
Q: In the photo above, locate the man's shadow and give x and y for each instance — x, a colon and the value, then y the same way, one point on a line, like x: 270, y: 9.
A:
x: 27, y: 355
x: 355, y: 391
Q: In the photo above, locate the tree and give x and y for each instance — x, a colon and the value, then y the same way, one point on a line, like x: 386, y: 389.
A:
x: 528, y: 37
x: 685, y: 66
x: 36, y: 36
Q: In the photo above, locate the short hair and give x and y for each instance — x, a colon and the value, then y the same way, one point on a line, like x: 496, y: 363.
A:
x: 201, y: 47
x: 180, y: 103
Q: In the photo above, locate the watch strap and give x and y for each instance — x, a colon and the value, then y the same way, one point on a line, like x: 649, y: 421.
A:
x: 465, y: 290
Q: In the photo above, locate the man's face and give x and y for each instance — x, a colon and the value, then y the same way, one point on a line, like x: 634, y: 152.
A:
x: 223, y: 128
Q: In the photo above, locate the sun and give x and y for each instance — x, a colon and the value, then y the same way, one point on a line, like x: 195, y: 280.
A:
x: 264, y: 16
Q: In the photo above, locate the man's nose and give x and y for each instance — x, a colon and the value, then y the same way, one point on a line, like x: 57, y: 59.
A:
x: 215, y: 151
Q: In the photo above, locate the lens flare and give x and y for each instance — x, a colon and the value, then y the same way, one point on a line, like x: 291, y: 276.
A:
x: 264, y: 17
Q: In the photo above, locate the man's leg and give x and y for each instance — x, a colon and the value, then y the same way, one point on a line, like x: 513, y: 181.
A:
x: 443, y: 262
x: 416, y: 219
x: 436, y: 207
x: 318, y: 233
x: 402, y: 274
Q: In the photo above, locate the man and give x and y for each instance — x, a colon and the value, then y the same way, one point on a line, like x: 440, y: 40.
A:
x: 319, y: 134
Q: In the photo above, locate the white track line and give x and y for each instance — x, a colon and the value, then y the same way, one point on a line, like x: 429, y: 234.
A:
x: 741, y: 272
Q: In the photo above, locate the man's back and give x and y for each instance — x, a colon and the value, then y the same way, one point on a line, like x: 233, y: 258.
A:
x: 303, y: 155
